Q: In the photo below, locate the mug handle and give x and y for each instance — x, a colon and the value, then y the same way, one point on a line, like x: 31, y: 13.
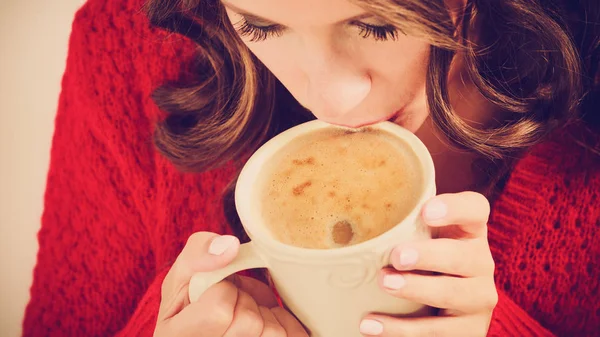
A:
x: 247, y: 258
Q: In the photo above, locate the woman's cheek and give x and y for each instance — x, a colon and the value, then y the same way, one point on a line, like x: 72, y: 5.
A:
x: 281, y: 60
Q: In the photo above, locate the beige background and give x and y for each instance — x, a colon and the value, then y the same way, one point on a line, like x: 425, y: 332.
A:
x: 33, y: 48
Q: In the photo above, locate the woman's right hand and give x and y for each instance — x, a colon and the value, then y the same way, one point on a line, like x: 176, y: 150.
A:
x: 236, y: 307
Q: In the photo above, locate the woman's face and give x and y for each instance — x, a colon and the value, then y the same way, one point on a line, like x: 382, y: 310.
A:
x: 341, y: 63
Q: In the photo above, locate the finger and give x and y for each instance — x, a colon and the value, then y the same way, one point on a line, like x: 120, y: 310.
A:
x: 292, y: 327
x: 386, y: 326
x: 210, y: 316
x: 247, y: 319
x: 469, y: 211
x: 271, y: 326
x: 203, y: 251
x: 260, y: 292
x: 447, y: 256
x: 465, y: 295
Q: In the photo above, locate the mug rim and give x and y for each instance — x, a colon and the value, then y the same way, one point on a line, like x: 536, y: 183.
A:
x: 250, y: 214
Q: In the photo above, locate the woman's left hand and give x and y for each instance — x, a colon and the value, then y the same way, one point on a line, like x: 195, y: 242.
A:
x: 463, y: 283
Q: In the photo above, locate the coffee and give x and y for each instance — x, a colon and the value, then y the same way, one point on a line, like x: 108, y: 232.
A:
x: 335, y: 187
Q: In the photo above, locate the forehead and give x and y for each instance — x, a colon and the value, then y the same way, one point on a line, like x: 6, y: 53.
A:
x: 299, y: 12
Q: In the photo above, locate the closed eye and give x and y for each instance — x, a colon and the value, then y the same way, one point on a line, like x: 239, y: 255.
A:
x: 379, y: 33
x: 258, y: 33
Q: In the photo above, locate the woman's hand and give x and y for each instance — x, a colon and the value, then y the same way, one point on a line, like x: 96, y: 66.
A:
x: 463, y: 283
x: 239, y: 307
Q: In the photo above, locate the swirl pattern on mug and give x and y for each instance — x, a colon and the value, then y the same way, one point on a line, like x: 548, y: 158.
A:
x: 353, y: 272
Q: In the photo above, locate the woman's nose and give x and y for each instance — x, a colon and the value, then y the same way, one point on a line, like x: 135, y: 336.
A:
x: 334, y: 94
x: 335, y: 84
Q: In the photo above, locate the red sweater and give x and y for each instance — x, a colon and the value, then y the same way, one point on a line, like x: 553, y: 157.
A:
x: 117, y: 214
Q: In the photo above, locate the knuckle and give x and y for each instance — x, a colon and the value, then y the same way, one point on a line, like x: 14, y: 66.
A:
x: 476, y: 196
x: 184, y: 263
x: 485, y: 327
x: 250, y: 320
x: 480, y: 257
x: 170, y: 287
x: 221, y: 315
x: 462, y: 254
x: 481, y: 326
x: 489, y: 265
x: 486, y: 295
x: 478, y: 199
x: 483, y: 200
x: 165, y: 287
x: 448, y: 299
x: 273, y: 330
x: 491, y: 300
x: 173, y: 277
x: 479, y: 260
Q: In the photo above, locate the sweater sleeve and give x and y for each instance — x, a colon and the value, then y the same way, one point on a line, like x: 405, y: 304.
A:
x: 509, y: 319
x: 92, y: 264
x: 96, y: 264
x: 543, y: 236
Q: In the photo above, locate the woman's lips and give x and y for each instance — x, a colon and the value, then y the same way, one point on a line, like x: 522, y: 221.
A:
x: 391, y: 118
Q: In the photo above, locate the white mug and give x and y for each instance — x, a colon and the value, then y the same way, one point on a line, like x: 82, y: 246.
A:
x: 329, y: 290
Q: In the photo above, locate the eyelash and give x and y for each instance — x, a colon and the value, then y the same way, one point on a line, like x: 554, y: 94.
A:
x: 379, y: 33
x: 261, y: 33
x: 256, y: 33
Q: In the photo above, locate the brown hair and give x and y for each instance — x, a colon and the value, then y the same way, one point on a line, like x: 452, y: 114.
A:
x: 228, y: 113
x: 533, y: 58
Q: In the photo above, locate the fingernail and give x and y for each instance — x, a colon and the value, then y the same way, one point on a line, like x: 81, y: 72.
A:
x: 408, y: 257
x: 435, y: 210
x: 371, y: 327
x: 220, y: 244
x: 393, y: 281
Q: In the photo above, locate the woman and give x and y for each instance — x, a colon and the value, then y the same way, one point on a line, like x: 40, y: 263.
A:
x: 502, y: 93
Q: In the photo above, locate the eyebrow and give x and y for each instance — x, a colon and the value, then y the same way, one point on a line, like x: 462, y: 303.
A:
x: 254, y: 17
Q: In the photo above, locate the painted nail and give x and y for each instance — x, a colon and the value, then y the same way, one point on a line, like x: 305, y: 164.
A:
x: 408, y: 257
x: 435, y: 210
x: 220, y: 244
x: 371, y: 327
x: 393, y: 281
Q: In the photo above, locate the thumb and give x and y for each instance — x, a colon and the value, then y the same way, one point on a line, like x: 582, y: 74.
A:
x: 203, y: 252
